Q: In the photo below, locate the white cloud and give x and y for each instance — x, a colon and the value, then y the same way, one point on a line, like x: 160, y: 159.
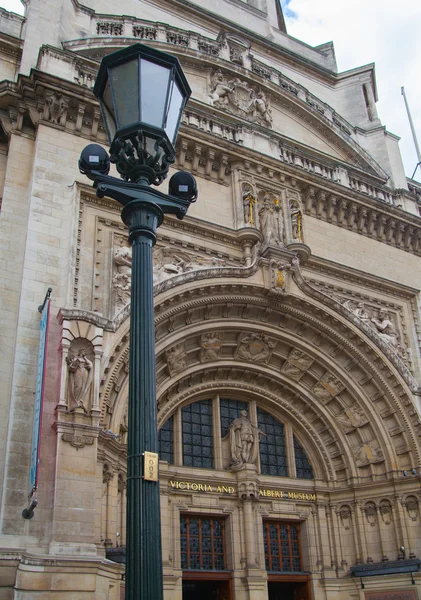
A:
x: 13, y: 5
x: 365, y: 31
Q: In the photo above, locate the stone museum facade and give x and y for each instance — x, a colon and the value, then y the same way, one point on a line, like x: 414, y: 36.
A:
x: 287, y: 318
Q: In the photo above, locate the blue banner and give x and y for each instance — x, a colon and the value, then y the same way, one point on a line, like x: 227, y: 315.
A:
x: 39, y: 396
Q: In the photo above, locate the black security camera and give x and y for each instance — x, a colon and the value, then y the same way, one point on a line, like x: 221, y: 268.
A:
x: 93, y: 160
x: 183, y: 185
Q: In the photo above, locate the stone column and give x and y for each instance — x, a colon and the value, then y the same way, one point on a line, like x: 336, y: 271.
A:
x: 248, y: 494
x: 402, y: 531
x: 359, y: 532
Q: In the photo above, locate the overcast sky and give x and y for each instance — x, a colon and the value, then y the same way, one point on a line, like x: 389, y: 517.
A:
x: 364, y: 31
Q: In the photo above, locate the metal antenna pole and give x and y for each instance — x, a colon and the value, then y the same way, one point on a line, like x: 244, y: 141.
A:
x: 414, y: 135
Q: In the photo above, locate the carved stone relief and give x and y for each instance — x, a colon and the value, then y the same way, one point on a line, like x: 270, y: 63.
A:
x: 345, y: 516
x: 297, y: 364
x: 412, y: 507
x: 240, y: 98
x: 371, y: 513
x: 381, y: 321
x: 122, y: 279
x: 80, y: 374
x: 107, y: 473
x: 168, y: 262
x: 177, y: 358
x: 386, y: 513
x: 327, y: 387
x: 56, y: 106
x: 368, y: 453
x: 351, y: 418
x: 255, y: 347
x: 210, y: 346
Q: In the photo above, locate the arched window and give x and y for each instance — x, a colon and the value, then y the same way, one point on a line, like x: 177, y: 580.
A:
x: 302, y: 464
x: 201, y: 443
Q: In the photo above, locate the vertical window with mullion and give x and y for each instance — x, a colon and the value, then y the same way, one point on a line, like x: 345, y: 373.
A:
x: 202, y: 543
x: 273, y: 451
x: 197, y: 434
x: 282, y: 547
x: 166, y: 440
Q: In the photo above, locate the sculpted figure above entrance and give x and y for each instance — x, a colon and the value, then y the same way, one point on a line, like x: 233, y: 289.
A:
x: 244, y: 442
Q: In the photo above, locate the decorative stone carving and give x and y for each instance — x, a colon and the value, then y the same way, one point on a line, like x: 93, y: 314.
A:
x: 385, y: 328
x: 248, y: 490
x: 80, y: 373
x: 270, y: 220
x: 351, y: 418
x: 255, y: 347
x: 413, y: 508
x: 144, y: 33
x: 208, y: 47
x: 178, y: 39
x: 122, y: 280
x: 244, y: 442
x: 367, y: 453
x: 78, y: 441
x: 177, y: 358
x: 211, y: 344
x: 56, y: 106
x: 109, y: 28
x: 107, y: 473
x: 296, y: 217
x: 327, y: 387
x: 297, y: 364
x: 249, y: 204
x: 168, y: 262
x: 240, y: 98
x: 386, y: 513
x: 345, y: 516
x: 122, y: 483
x: 371, y: 513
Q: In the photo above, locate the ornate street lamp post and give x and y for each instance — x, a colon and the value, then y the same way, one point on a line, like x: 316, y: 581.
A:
x: 142, y: 93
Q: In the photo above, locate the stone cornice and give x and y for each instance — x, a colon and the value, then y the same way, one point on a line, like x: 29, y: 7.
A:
x: 355, y: 276
x: 215, y: 21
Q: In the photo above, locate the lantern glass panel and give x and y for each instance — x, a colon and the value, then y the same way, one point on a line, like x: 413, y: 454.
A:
x: 154, y: 83
x: 125, y: 86
x: 174, y: 112
x: 108, y: 111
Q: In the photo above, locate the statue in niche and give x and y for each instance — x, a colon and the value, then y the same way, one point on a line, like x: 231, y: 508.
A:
x: 80, y: 370
x: 122, y: 280
x: 385, y: 328
x: 211, y: 346
x: 244, y: 442
x: 249, y: 203
x: 271, y: 221
x: 296, y: 220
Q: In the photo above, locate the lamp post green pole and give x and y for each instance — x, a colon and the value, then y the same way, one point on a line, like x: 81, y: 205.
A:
x: 143, y: 212
x: 142, y: 93
x: 143, y: 546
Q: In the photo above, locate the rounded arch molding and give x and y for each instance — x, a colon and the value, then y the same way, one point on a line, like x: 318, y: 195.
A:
x: 356, y: 409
